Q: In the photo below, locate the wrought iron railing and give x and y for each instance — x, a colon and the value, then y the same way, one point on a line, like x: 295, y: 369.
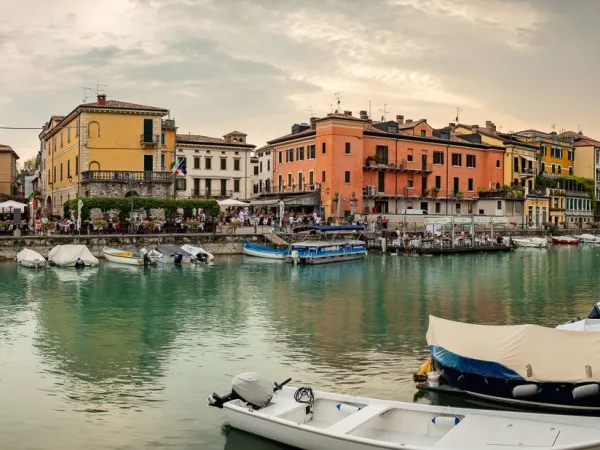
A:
x: 121, y: 176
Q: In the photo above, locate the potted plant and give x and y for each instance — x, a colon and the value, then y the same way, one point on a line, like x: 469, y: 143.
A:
x: 193, y: 224
x: 371, y: 161
x: 426, y: 192
x: 460, y: 196
x: 436, y: 191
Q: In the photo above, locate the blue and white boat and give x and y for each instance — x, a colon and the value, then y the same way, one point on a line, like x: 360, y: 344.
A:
x: 322, y: 252
x: 261, y: 251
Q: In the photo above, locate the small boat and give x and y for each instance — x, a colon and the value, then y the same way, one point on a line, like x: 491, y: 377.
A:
x: 200, y: 254
x: 72, y: 255
x: 588, y: 239
x: 260, y: 251
x: 141, y: 258
x: 314, y: 420
x: 519, y: 365
x: 533, y: 242
x: 323, y: 252
x: 590, y: 323
x: 564, y: 240
x: 172, y: 254
x: 30, y: 258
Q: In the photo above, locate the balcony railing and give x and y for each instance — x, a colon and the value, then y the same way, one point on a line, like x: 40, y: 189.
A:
x: 119, y: 176
x: 144, y: 141
x: 214, y: 193
x: 403, y: 166
x: 294, y: 188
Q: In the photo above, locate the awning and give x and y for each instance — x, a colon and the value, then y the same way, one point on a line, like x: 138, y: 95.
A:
x: 528, y: 158
x: 299, y: 200
x: 267, y: 202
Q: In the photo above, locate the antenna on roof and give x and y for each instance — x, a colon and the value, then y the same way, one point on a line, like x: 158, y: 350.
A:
x: 337, y: 97
x: 458, y: 111
x: 384, y: 111
x: 100, y: 89
x: 311, y: 111
x: 553, y: 126
x: 85, y: 91
x: 331, y: 106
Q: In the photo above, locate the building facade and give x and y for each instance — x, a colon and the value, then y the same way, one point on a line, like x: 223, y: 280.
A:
x: 587, y: 161
x: 265, y: 170
x: 107, y: 148
x: 217, y: 167
x: 558, y: 207
x: 579, y: 209
x: 556, y: 153
x: 8, y: 170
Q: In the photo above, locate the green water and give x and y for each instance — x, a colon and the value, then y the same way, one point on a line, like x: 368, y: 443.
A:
x: 124, y: 358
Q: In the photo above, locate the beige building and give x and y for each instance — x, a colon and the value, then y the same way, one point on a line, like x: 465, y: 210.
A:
x: 587, y: 158
x: 8, y: 170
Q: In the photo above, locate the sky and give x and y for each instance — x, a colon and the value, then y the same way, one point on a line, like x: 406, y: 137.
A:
x: 258, y: 66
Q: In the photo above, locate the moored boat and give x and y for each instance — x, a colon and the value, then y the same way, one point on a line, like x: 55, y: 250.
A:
x: 323, y: 252
x: 588, y: 239
x: 72, y: 255
x: 130, y: 258
x: 520, y: 365
x: 260, y: 251
x: 314, y: 420
x: 172, y: 254
x: 198, y: 252
x: 31, y: 259
x: 564, y: 240
x: 533, y: 242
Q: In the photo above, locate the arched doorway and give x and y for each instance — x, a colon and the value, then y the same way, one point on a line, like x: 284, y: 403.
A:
x: 94, y: 165
x: 132, y: 194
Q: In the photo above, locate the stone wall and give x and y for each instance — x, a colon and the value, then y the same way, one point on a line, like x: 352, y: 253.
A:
x: 216, y: 244
x: 103, y: 189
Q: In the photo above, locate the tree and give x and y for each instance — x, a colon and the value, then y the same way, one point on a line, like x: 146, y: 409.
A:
x: 32, y: 164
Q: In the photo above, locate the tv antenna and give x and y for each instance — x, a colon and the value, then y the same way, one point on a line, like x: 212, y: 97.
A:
x: 458, y: 111
x: 553, y: 126
x: 331, y: 106
x: 311, y: 111
x: 100, y: 89
x: 85, y: 93
x: 384, y: 111
x: 337, y: 97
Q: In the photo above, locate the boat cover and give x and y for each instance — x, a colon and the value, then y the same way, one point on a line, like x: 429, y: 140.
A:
x: 67, y: 255
x: 29, y: 255
x: 264, y: 249
x: 170, y: 250
x: 195, y: 250
x: 554, y: 355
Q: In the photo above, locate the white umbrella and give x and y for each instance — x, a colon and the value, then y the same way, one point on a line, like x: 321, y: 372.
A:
x: 231, y: 202
x: 79, y: 206
x: 11, y: 204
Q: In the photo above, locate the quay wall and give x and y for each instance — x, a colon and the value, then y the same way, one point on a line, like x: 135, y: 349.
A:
x: 216, y: 244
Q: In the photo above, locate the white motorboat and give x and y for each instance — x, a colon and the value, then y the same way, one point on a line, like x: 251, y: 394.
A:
x: 260, y: 251
x: 590, y: 323
x: 71, y: 255
x: 130, y: 258
x: 172, y: 254
x: 313, y: 420
x: 198, y: 252
x: 588, y: 239
x: 30, y: 258
x: 533, y: 242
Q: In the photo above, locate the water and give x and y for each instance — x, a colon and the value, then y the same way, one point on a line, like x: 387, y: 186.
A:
x: 124, y: 358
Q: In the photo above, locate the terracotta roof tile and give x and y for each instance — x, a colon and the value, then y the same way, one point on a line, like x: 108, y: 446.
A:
x: 199, y: 139
x: 291, y: 136
x: 116, y: 104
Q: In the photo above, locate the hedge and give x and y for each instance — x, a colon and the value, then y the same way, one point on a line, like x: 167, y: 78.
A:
x: 123, y: 205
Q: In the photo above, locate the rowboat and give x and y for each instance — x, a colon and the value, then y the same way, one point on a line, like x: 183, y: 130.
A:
x: 564, y: 240
x: 314, y: 420
x: 72, y: 255
x: 533, y: 242
x: 30, y: 258
x: 129, y: 258
x: 261, y: 251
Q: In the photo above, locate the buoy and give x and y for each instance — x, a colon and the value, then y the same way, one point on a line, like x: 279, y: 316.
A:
x: 526, y: 390
x: 433, y: 379
x: 587, y: 390
x: 347, y: 409
x: 445, y: 421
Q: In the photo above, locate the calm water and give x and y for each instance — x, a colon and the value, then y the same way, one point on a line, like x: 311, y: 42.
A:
x: 124, y: 358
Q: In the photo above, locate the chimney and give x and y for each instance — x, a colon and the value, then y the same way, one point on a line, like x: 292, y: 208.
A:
x: 101, y: 99
x: 348, y: 113
x: 490, y: 126
x: 474, y: 128
x: 452, y: 127
x: 364, y: 115
x: 400, y: 119
x: 313, y: 123
x: 408, y: 120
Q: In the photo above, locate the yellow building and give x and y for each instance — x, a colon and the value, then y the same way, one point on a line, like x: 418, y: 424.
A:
x: 557, y: 153
x: 109, y: 148
x: 557, y: 207
x: 8, y: 170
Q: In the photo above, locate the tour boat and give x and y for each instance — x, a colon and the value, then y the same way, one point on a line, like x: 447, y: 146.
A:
x: 30, y: 258
x: 322, y: 252
x: 520, y: 365
x: 588, y: 239
x: 72, y: 255
x: 314, y: 420
x: 533, y: 242
x: 130, y: 258
x: 200, y: 254
x: 564, y: 240
x: 260, y: 251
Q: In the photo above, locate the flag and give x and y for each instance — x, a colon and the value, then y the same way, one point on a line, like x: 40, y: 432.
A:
x: 30, y: 196
x: 178, y: 167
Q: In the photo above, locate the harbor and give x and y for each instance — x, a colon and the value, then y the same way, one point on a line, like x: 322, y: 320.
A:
x: 120, y: 355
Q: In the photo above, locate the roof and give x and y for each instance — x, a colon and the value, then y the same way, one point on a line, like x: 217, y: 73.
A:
x: 199, y: 139
x: 8, y: 149
x: 292, y: 136
x: 237, y: 132
x: 57, y: 118
x: 581, y: 140
x: 409, y: 125
x: 117, y: 104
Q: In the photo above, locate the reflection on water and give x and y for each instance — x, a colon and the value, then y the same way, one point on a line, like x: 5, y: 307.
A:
x: 124, y: 357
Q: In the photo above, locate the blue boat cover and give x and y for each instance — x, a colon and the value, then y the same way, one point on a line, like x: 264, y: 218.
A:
x: 489, y: 369
x: 325, y: 228
x: 260, y: 248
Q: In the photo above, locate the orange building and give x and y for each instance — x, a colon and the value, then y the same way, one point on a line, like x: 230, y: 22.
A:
x: 354, y: 165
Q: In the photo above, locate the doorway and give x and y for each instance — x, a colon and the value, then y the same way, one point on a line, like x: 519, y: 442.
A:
x: 148, y: 163
x: 381, y: 182
x: 424, y: 162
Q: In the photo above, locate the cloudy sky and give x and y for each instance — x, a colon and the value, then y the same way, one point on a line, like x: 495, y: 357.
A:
x: 259, y: 65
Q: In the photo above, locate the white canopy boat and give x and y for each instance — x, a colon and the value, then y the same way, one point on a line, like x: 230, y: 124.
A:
x: 71, y: 255
x: 30, y: 258
x: 172, y: 254
x: 198, y: 252
x: 140, y: 258
x: 588, y: 239
x: 533, y: 242
x: 314, y: 420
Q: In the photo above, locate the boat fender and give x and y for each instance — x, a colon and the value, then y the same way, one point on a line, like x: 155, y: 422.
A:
x: 445, y: 421
x: 587, y: 390
x: 526, y: 390
x: 347, y: 409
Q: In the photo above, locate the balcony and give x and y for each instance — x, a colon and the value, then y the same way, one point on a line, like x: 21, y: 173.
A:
x: 404, y: 166
x: 214, y: 193
x: 526, y: 172
x: 118, y: 176
x: 294, y: 188
x: 145, y: 143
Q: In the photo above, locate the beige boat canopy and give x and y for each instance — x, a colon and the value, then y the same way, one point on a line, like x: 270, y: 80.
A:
x: 535, y: 353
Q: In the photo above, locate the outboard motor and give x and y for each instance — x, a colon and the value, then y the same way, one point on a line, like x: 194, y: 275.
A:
x: 201, y: 257
x: 177, y: 258
x: 79, y: 264
x: 251, y: 388
x: 595, y: 314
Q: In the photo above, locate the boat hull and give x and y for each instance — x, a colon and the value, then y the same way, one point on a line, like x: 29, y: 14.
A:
x: 327, y: 259
x: 564, y: 241
x: 528, y: 243
x: 124, y: 260
x: 32, y: 264
x: 259, y: 251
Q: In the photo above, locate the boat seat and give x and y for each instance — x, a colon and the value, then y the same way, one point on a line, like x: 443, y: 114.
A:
x: 358, y: 418
x: 278, y: 409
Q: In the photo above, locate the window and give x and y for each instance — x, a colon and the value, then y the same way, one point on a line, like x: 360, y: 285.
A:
x: 543, y: 167
x: 381, y: 154
x: 323, y: 148
x: 543, y: 149
x: 470, y: 186
x: 77, y: 127
x: 69, y: 134
x: 497, y: 164
x: 61, y: 139
x: 236, y: 185
x: 196, y: 162
x: 323, y: 177
x: 409, y: 157
x: 570, y: 155
x: 423, y: 133
x: 61, y: 171
x: 559, y: 168
x: 280, y: 156
x: 499, y: 205
x: 347, y: 176
x: 255, y: 170
x: 481, y: 212
x: 300, y: 180
x: 280, y: 181
x: 438, y: 181
x: 471, y: 161
x: 260, y: 166
x: 77, y: 165
x: 438, y: 207
x: 290, y: 180
x: 236, y: 165
x: 570, y: 170
x: 456, y: 185
x: 68, y: 168
x: 311, y: 152
x: 300, y: 153
x: 289, y: 157
x: 180, y: 184
x: 458, y: 208
x: 223, y: 163
x: 223, y: 187
x: 409, y: 183
x: 208, y: 163
x: 311, y: 178
x: 553, y: 168
x: 347, y: 148
x: 438, y: 158
x: 268, y: 165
